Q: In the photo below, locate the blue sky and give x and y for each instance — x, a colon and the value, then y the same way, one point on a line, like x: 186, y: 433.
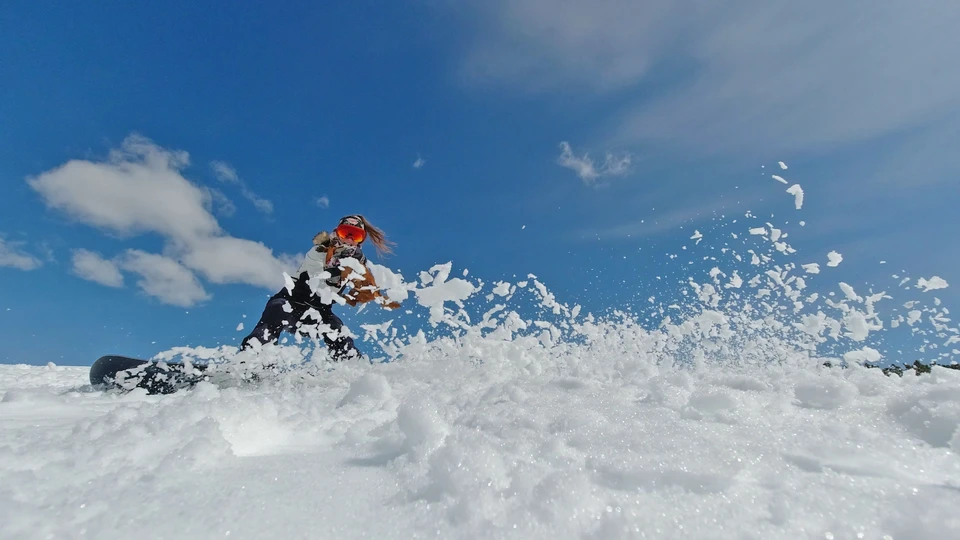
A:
x: 245, y: 130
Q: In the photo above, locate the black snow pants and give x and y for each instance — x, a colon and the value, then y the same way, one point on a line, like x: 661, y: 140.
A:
x: 282, y: 314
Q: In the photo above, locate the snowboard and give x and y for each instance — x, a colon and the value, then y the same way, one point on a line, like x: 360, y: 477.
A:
x: 123, y: 372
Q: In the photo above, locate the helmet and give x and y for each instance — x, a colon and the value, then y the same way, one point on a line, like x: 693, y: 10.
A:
x: 352, y: 227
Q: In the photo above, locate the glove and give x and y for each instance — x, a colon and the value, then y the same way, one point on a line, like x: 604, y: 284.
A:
x: 363, y: 296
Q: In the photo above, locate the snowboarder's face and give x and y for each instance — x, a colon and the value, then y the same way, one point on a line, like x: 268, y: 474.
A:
x: 350, y: 234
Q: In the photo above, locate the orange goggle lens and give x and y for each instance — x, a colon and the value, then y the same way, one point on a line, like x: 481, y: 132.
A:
x: 350, y: 232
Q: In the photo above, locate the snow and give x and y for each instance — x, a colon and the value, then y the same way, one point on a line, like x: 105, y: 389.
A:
x: 797, y: 193
x: 857, y: 325
x: 783, y: 165
x: 718, y: 421
x: 596, y: 444
x: 933, y: 283
x: 391, y: 282
x: 849, y: 292
x: 502, y: 288
x: 834, y: 259
x: 441, y: 291
x: 779, y: 179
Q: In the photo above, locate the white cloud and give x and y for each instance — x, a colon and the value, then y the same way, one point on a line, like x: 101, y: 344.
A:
x: 164, y: 278
x: 420, y: 162
x: 227, y: 174
x: 225, y: 259
x: 323, y: 202
x: 587, y: 170
x: 93, y: 267
x: 140, y: 189
x: 764, y: 74
x: 12, y: 257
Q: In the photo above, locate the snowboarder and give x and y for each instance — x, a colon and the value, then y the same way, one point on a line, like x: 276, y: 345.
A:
x: 334, y: 264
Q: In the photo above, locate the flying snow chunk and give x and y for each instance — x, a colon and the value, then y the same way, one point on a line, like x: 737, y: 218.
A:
x: 390, y: 282
x: 440, y: 291
x: 288, y: 282
x: 850, y: 293
x: 758, y: 230
x: 797, y: 193
x: 783, y: 165
x: 934, y: 283
x: 697, y: 236
x: 240, y: 327
x: 779, y: 179
x: 865, y: 355
x: 812, y: 268
x: 834, y: 259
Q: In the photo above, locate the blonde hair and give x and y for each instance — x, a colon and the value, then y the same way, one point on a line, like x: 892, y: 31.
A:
x: 377, y: 236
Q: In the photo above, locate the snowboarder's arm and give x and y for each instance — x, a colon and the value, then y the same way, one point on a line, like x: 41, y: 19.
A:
x: 322, y: 239
x: 301, y: 291
x: 365, y: 289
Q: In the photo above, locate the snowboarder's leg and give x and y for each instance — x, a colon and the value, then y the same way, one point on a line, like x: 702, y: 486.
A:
x: 278, y: 315
x: 341, y: 347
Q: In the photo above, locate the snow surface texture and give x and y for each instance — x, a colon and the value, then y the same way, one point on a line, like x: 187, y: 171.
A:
x: 533, y: 444
x: 710, y: 415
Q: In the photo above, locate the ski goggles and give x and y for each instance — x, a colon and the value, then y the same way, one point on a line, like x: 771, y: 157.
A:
x: 351, y: 232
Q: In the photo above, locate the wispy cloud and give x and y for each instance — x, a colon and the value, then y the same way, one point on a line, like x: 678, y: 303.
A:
x: 140, y: 189
x: 762, y: 75
x: 588, y: 170
x: 323, y: 202
x: 656, y: 222
x: 227, y: 174
x: 93, y: 267
x: 419, y: 163
x: 222, y: 204
x: 46, y: 252
x: 11, y: 256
